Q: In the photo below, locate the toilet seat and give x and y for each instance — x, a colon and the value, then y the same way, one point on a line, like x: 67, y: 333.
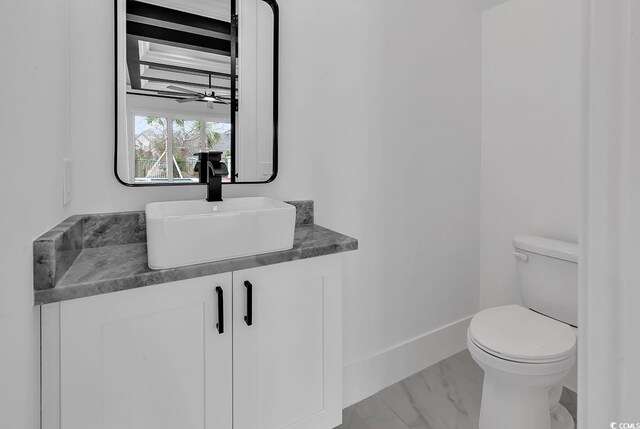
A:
x: 517, y: 334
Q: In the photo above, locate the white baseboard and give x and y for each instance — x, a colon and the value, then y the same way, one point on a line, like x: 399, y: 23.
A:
x: 368, y: 376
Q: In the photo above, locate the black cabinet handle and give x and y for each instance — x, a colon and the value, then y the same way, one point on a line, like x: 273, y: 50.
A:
x: 249, y: 317
x: 220, y: 324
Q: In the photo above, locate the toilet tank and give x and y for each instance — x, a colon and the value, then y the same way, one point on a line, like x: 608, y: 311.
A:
x: 548, y: 276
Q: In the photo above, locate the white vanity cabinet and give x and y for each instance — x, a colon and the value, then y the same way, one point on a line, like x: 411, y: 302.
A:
x: 287, y: 346
x: 149, y: 358
x: 154, y: 357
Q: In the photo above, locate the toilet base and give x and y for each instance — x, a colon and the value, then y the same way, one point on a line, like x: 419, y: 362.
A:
x: 511, y: 405
x: 561, y: 419
x: 506, y: 405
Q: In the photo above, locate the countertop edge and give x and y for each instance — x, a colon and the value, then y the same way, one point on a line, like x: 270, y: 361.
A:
x: 152, y: 278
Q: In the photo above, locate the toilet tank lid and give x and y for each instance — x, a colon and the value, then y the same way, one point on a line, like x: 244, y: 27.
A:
x: 547, y: 247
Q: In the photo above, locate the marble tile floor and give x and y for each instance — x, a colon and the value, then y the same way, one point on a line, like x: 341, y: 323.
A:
x: 443, y: 396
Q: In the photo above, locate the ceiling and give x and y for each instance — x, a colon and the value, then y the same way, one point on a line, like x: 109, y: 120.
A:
x: 216, y: 9
x: 178, y: 43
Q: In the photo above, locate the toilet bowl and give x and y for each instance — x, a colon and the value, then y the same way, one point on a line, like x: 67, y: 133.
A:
x: 527, y: 351
x: 524, y: 356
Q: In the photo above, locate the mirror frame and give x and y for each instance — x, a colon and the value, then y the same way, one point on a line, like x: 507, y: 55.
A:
x: 276, y: 58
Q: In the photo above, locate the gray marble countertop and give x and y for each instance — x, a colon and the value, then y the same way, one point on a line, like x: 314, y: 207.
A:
x: 112, y: 268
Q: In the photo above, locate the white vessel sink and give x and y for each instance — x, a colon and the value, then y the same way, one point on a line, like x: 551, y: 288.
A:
x: 194, y: 232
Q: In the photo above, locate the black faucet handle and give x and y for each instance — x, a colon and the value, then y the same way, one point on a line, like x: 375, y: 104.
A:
x: 221, y: 169
x: 211, y: 155
x: 215, y: 156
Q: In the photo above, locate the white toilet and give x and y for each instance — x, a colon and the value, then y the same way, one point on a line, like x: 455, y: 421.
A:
x: 527, y: 352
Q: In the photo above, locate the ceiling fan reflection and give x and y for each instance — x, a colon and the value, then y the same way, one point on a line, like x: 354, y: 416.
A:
x: 210, y: 98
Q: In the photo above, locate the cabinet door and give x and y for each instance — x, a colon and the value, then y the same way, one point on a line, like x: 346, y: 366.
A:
x: 287, y: 368
x: 150, y: 358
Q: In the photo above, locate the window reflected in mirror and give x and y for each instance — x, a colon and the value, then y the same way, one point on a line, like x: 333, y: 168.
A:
x: 181, y: 89
x: 155, y: 143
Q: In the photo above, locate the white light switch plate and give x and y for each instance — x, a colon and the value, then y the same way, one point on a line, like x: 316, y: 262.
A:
x: 66, y: 192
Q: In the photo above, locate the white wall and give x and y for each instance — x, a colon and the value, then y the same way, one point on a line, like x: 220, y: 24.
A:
x: 630, y: 229
x: 34, y: 103
x: 488, y: 4
x: 609, y: 294
x: 531, y: 133
x: 379, y: 125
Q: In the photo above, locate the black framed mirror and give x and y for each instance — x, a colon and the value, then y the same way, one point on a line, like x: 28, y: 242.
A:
x: 194, y: 76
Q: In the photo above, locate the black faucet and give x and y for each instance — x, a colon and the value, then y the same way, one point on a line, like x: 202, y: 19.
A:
x: 212, y: 173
